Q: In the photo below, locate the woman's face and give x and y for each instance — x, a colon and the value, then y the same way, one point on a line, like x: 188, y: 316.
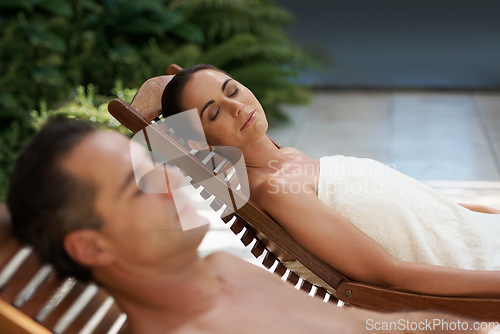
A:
x: 230, y: 114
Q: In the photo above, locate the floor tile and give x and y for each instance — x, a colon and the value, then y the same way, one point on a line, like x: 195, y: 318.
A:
x: 489, y: 110
x: 439, y: 136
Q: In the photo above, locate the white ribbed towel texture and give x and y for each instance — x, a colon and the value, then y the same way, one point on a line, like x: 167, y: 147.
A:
x: 413, y: 222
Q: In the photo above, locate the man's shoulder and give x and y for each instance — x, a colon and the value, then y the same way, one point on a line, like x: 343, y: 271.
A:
x: 224, y: 258
x: 231, y: 265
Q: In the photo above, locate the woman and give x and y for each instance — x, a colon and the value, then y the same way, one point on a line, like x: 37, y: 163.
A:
x: 372, y: 223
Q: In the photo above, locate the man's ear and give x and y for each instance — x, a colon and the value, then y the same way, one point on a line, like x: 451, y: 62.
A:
x: 196, y: 145
x: 88, y: 248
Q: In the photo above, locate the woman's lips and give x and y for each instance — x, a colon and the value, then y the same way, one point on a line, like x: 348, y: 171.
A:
x: 249, y: 120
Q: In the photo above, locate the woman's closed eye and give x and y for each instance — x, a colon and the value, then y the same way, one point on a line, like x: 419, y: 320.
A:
x: 215, y: 114
x: 236, y: 90
x: 217, y: 111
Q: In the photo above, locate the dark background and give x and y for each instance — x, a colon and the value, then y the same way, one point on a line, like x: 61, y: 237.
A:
x: 444, y: 44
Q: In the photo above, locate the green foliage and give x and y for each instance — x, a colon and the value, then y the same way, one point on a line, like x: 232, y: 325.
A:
x: 247, y: 40
x: 86, y: 105
x: 51, y: 49
x: 12, y: 138
x: 48, y: 47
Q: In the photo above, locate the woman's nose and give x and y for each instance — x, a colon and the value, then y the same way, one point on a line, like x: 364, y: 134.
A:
x: 236, y: 108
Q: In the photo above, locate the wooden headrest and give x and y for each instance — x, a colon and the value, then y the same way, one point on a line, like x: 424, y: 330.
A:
x: 147, y: 101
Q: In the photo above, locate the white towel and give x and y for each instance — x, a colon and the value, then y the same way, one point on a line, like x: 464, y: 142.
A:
x: 410, y: 220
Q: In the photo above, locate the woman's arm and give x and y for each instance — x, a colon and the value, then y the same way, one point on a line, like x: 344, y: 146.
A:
x: 480, y: 208
x: 339, y: 243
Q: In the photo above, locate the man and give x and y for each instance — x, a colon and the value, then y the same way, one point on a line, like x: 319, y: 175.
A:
x: 74, y: 198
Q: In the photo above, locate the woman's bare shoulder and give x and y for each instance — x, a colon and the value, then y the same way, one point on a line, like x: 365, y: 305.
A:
x: 292, y: 150
x: 259, y: 183
x: 260, y: 187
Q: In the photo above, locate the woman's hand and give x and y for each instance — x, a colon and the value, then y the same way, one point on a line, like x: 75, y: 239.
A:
x: 480, y: 208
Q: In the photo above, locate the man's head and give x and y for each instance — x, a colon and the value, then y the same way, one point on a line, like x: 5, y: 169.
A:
x: 45, y: 201
x: 74, y: 197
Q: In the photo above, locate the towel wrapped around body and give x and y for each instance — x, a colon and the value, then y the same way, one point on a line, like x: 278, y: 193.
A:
x: 410, y: 220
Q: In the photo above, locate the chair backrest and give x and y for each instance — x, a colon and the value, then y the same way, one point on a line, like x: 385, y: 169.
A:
x: 266, y: 237
x: 33, y: 299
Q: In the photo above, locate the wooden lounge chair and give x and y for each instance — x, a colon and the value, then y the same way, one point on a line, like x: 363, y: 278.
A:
x: 268, y: 239
x: 33, y: 299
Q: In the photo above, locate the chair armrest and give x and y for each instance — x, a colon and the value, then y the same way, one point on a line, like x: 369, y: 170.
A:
x: 382, y: 299
x: 14, y: 321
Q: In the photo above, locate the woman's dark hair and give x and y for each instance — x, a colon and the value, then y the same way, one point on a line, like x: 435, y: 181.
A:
x: 45, y: 201
x: 171, y: 99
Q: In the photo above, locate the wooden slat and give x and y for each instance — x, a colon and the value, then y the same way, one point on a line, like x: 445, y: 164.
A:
x: 332, y: 299
x: 60, y: 309
x: 306, y: 286
x: 87, y: 312
x: 280, y: 269
x: 320, y: 293
x: 248, y: 237
x: 205, y: 194
x: 113, y: 315
x: 194, y: 184
x: 227, y: 215
x: 216, y: 205
x: 258, y: 248
x: 238, y: 225
x: 22, y: 276
x: 293, y: 278
x: 43, y: 294
x: 269, y: 260
x: 32, y: 286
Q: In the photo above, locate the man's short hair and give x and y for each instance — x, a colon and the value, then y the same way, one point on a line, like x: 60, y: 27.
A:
x: 45, y: 201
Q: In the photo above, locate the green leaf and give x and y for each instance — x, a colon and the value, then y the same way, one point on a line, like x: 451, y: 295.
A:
x: 234, y: 48
x: 189, y: 32
x: 20, y: 4
x: 39, y: 36
x: 47, y: 76
x: 57, y: 7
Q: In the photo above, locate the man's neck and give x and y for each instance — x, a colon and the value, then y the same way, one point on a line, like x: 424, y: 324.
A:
x: 163, y: 298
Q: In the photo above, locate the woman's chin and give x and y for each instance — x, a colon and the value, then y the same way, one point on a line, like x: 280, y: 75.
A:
x: 264, y: 127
